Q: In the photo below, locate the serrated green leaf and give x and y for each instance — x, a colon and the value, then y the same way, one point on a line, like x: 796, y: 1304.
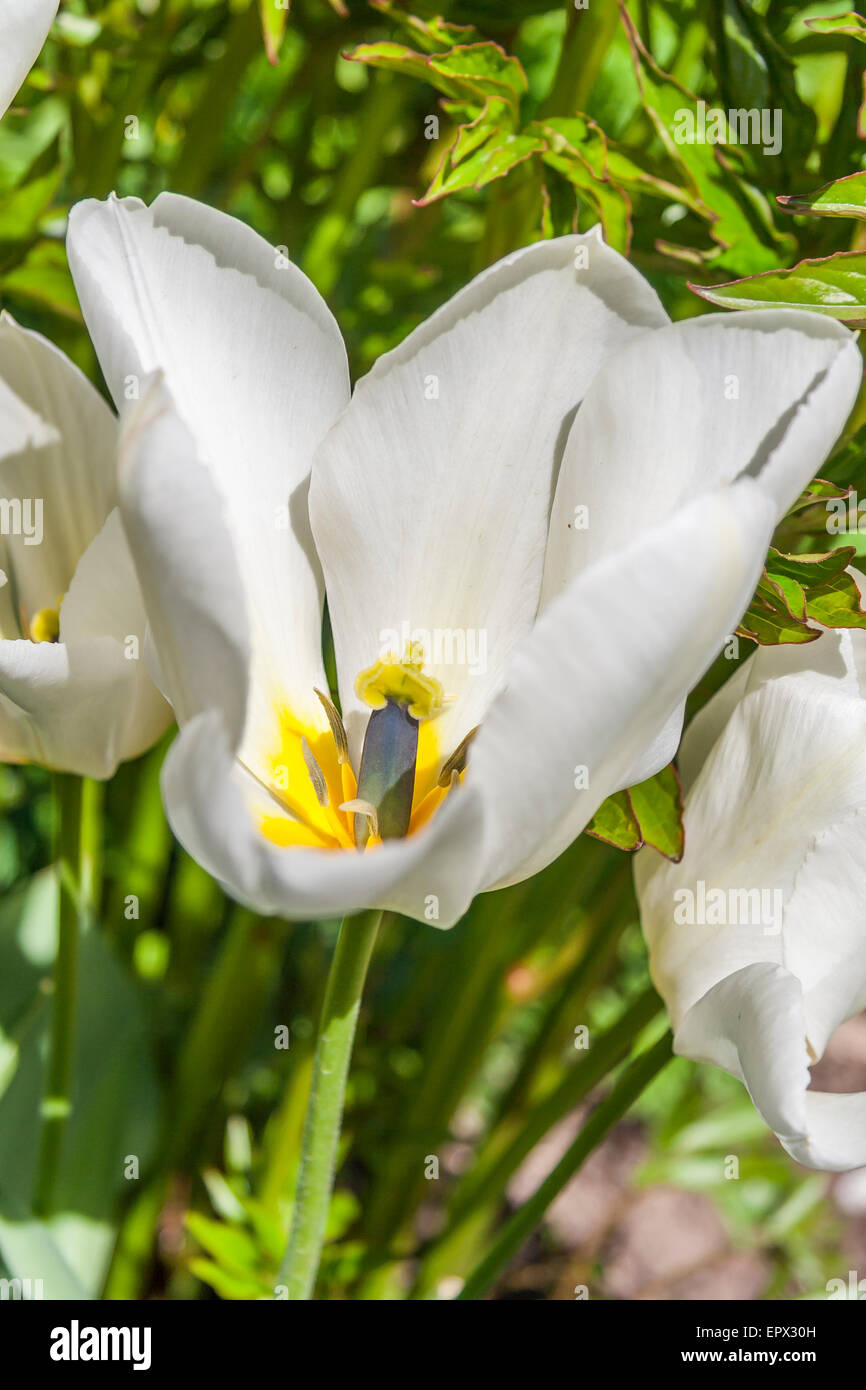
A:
x: 819, y: 490
x: 830, y: 594
x: 615, y: 823
x: 842, y: 198
x: 832, y: 285
x: 769, y: 621
x: 657, y: 805
x: 496, y: 158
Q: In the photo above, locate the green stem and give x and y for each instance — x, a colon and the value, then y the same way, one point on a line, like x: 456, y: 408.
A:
x: 339, y: 1020
x: 633, y: 1081
x: 78, y: 831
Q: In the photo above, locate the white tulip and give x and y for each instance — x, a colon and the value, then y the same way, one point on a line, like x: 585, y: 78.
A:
x: 24, y: 26
x: 447, y: 512
x: 74, y: 691
x: 757, y: 938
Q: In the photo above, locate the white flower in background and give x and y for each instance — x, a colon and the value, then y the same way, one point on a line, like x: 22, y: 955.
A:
x: 74, y: 690
x: 775, y: 770
x: 450, y: 496
x: 24, y: 26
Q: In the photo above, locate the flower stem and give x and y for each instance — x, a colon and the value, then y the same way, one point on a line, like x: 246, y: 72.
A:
x: 325, y: 1105
x: 633, y: 1081
x: 78, y: 831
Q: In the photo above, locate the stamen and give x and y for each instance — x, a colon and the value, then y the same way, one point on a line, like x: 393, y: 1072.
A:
x: 45, y: 626
x: 338, y: 729
x: 317, y: 777
x: 402, y: 682
x: 363, y: 808
x: 457, y: 762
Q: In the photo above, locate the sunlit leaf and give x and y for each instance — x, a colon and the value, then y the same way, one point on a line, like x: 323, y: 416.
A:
x: 615, y: 823
x: 832, y: 285
x: 657, y: 805
x: 841, y: 198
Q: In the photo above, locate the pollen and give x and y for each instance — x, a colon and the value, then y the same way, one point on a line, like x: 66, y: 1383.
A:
x: 45, y: 625
x: 403, y: 681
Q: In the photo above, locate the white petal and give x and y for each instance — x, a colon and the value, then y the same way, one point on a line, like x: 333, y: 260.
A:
x: 690, y: 409
x: 211, y: 805
x: 24, y: 26
x: 73, y: 708
x: 430, y: 497
x: 58, y: 443
x: 774, y: 810
x: 838, y: 653
x: 605, y: 666
x: 176, y: 525
x: 753, y: 1025
x: 686, y: 411
x: 255, y: 364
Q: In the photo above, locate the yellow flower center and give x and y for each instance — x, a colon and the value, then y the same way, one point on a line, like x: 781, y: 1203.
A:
x: 309, y: 775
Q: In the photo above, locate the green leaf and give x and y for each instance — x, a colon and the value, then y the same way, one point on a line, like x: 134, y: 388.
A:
x: 274, y: 23
x: 842, y: 198
x: 22, y: 209
x: 29, y: 1250
x: 738, y: 214
x: 657, y: 805
x: 496, y: 158
x: 829, y: 594
x: 819, y: 490
x: 796, y: 591
x: 769, y: 620
x: 472, y: 75
x: 615, y: 823
x: 833, y: 285
x: 43, y: 281
x: 233, y: 1248
x: 232, y: 1287
x: 852, y: 25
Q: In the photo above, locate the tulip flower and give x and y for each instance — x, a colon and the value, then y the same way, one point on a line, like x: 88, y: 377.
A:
x: 74, y: 690
x: 757, y: 938
x: 536, y: 521
x: 24, y: 26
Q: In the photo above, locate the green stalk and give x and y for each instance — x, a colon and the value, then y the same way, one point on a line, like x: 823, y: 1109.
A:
x: 588, y: 37
x: 78, y: 832
x: 339, y: 1020
x: 633, y: 1081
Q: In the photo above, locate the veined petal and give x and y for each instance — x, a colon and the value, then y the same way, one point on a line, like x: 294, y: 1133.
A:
x: 763, y: 393
x: 430, y: 497
x: 605, y: 666
x: 703, y: 402
x: 215, y: 811
x: 256, y: 367
x: 24, y: 26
